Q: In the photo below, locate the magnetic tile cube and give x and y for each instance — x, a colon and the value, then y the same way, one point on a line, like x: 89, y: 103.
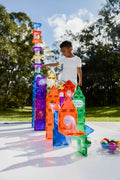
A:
x: 40, y: 104
x: 40, y: 115
x: 41, y: 82
x: 39, y: 125
x: 41, y: 94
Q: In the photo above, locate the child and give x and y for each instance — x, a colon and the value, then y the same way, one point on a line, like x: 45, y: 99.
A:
x: 71, y: 64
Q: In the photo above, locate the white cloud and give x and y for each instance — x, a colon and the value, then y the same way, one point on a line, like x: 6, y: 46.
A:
x: 74, y: 22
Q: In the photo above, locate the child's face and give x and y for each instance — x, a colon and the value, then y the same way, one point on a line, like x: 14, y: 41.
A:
x: 66, y: 51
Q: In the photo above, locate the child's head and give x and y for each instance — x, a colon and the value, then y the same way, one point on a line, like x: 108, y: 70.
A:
x: 66, y: 48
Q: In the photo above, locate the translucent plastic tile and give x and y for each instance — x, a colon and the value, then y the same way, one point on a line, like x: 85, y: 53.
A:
x: 39, y: 125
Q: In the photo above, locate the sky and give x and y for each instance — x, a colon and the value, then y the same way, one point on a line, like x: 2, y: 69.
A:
x: 57, y: 16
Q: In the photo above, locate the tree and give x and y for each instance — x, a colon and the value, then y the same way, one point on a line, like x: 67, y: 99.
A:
x: 99, y: 49
x: 15, y: 58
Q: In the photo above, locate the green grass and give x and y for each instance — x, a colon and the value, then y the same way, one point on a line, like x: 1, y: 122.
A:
x: 13, y: 114
x: 107, y: 113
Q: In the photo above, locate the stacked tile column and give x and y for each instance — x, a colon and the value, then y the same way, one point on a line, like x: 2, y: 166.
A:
x: 39, y: 83
x: 40, y: 104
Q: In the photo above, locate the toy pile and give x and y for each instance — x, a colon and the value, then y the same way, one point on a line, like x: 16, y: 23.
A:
x: 110, y: 144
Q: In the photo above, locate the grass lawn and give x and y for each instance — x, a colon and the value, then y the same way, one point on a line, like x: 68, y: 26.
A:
x: 107, y: 113
x: 13, y: 114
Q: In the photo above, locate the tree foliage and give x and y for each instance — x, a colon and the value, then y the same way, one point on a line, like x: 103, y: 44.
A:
x: 99, y: 49
x: 101, y: 74
x: 15, y: 58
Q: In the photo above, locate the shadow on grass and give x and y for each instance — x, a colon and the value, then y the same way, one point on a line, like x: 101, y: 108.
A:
x: 111, y: 111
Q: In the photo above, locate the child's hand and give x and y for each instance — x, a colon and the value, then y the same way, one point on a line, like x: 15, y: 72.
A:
x: 79, y: 84
x: 43, y: 66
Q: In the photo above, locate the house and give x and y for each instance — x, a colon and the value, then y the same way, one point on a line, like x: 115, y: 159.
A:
x: 69, y: 89
x: 79, y: 102
x: 68, y: 119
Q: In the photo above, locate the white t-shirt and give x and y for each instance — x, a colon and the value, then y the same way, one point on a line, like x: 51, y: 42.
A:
x: 70, y: 69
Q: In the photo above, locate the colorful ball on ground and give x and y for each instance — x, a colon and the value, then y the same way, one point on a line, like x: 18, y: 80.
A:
x: 103, y: 141
x: 112, y: 141
x: 112, y: 146
x: 105, y: 145
x: 106, y: 140
x: 118, y: 144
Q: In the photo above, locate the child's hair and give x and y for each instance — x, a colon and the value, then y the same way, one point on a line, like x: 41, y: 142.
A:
x: 67, y: 44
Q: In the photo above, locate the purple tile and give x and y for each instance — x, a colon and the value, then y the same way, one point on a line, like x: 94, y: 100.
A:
x: 37, y: 64
x: 40, y: 104
x: 62, y: 100
x: 39, y: 125
x: 41, y: 82
x: 40, y: 114
x: 37, y: 48
x: 41, y: 93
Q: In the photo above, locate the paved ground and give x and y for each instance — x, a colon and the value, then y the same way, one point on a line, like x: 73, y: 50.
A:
x: 26, y: 155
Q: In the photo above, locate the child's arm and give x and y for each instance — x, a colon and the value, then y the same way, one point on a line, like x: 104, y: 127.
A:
x: 79, y: 72
x: 51, y: 64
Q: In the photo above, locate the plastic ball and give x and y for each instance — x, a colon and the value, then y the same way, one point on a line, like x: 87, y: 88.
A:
x: 103, y: 141
x: 106, y: 140
x: 112, y: 141
x: 105, y: 145
x: 112, y: 146
x: 118, y: 144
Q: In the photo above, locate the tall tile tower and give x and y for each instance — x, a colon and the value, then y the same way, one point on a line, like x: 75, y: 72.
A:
x: 39, y: 83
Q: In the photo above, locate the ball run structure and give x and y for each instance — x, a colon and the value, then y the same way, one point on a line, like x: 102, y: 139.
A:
x: 59, y: 111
